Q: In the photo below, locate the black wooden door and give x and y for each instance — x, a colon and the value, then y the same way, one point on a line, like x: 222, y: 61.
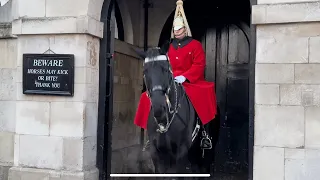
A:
x: 227, y: 54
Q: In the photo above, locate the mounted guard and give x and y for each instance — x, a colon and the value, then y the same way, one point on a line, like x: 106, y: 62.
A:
x: 188, y: 62
x: 178, y: 102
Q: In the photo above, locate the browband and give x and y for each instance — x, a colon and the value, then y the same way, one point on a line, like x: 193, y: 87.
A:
x: 157, y: 58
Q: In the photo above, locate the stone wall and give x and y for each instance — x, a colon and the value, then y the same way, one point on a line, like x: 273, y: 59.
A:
x: 287, y: 100
x: 57, y: 133
x: 8, y: 56
x: 8, y: 63
x: 127, y: 91
x: 50, y: 137
x: 6, y: 12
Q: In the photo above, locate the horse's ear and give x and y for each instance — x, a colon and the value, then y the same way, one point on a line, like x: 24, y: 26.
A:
x: 140, y: 52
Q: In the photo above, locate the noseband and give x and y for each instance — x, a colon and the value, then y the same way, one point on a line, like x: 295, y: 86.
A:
x: 161, y: 127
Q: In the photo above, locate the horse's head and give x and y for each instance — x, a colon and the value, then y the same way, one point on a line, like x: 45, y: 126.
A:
x: 158, y: 79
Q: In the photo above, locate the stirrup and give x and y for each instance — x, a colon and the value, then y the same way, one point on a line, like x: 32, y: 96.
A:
x: 206, y: 142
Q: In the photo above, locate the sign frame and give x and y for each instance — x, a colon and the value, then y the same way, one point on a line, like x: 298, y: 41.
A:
x: 70, y: 81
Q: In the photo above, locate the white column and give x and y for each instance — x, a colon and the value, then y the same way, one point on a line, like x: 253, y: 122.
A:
x: 287, y: 90
x: 55, y: 137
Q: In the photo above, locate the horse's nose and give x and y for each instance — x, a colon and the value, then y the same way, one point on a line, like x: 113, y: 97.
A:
x: 159, y: 111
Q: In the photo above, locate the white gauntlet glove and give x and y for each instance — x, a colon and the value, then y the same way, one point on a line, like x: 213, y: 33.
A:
x: 180, y: 79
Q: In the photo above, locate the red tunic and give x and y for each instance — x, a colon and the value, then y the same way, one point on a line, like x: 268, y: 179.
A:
x: 190, y: 62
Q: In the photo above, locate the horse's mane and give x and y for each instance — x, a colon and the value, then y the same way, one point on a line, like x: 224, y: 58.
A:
x: 154, y: 52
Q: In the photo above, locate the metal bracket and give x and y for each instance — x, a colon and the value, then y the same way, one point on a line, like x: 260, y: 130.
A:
x: 48, y: 52
x: 109, y: 55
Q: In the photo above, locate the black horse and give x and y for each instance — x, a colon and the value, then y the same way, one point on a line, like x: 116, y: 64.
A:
x: 179, y: 143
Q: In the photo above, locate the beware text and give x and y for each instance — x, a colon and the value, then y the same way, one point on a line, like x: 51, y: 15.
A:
x: 47, y: 78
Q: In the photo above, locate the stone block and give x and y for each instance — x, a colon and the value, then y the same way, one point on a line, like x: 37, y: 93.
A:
x: 258, y: 14
x: 302, y: 164
x: 31, y: 44
x: 282, y: 50
x: 294, y: 153
x: 85, y: 75
x: 84, y: 48
x: 286, y: 13
x: 314, y: 54
x: 6, y: 148
x: 268, y: 163
x: 312, y: 165
x: 57, y: 25
x: 7, y: 84
x: 67, y: 119
x: 56, y: 8
x: 8, y: 53
x: 92, y: 92
x: 24, y: 8
x: 290, y: 94
x: 16, y: 152
x: 80, y: 91
x: 73, y: 154
x: 93, y: 46
x: 294, y: 163
x: 312, y: 133
x: 279, y: 126
x: 32, y: 118
x: 267, y: 94
x: 5, y: 29
x: 91, y: 119
x: 94, y: 78
x: 4, y: 172
x: 307, y: 98
x: 292, y: 30
x: 294, y: 169
x: 297, y: 94
x: 94, y: 8
x: 19, y: 74
x: 16, y: 27
x: 89, y: 152
x: 91, y: 175
x: 19, y: 173
x: 7, y: 116
x: 307, y: 73
x: 71, y: 44
x: 274, y: 73
x: 41, y: 151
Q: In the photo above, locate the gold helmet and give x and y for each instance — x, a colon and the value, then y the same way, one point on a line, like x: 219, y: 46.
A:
x: 180, y: 19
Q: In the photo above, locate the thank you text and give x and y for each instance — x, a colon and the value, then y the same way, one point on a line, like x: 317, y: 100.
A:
x: 48, y: 74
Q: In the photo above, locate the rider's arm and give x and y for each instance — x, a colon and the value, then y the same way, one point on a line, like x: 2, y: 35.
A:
x: 198, y: 64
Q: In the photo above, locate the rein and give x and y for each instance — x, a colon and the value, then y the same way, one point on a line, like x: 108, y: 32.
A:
x: 164, y: 128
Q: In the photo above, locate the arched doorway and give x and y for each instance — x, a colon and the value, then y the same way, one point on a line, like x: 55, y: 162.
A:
x: 223, y: 30
x: 223, y: 27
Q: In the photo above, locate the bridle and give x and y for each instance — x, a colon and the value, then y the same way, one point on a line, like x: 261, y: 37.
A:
x: 161, y: 127
x: 173, y: 112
